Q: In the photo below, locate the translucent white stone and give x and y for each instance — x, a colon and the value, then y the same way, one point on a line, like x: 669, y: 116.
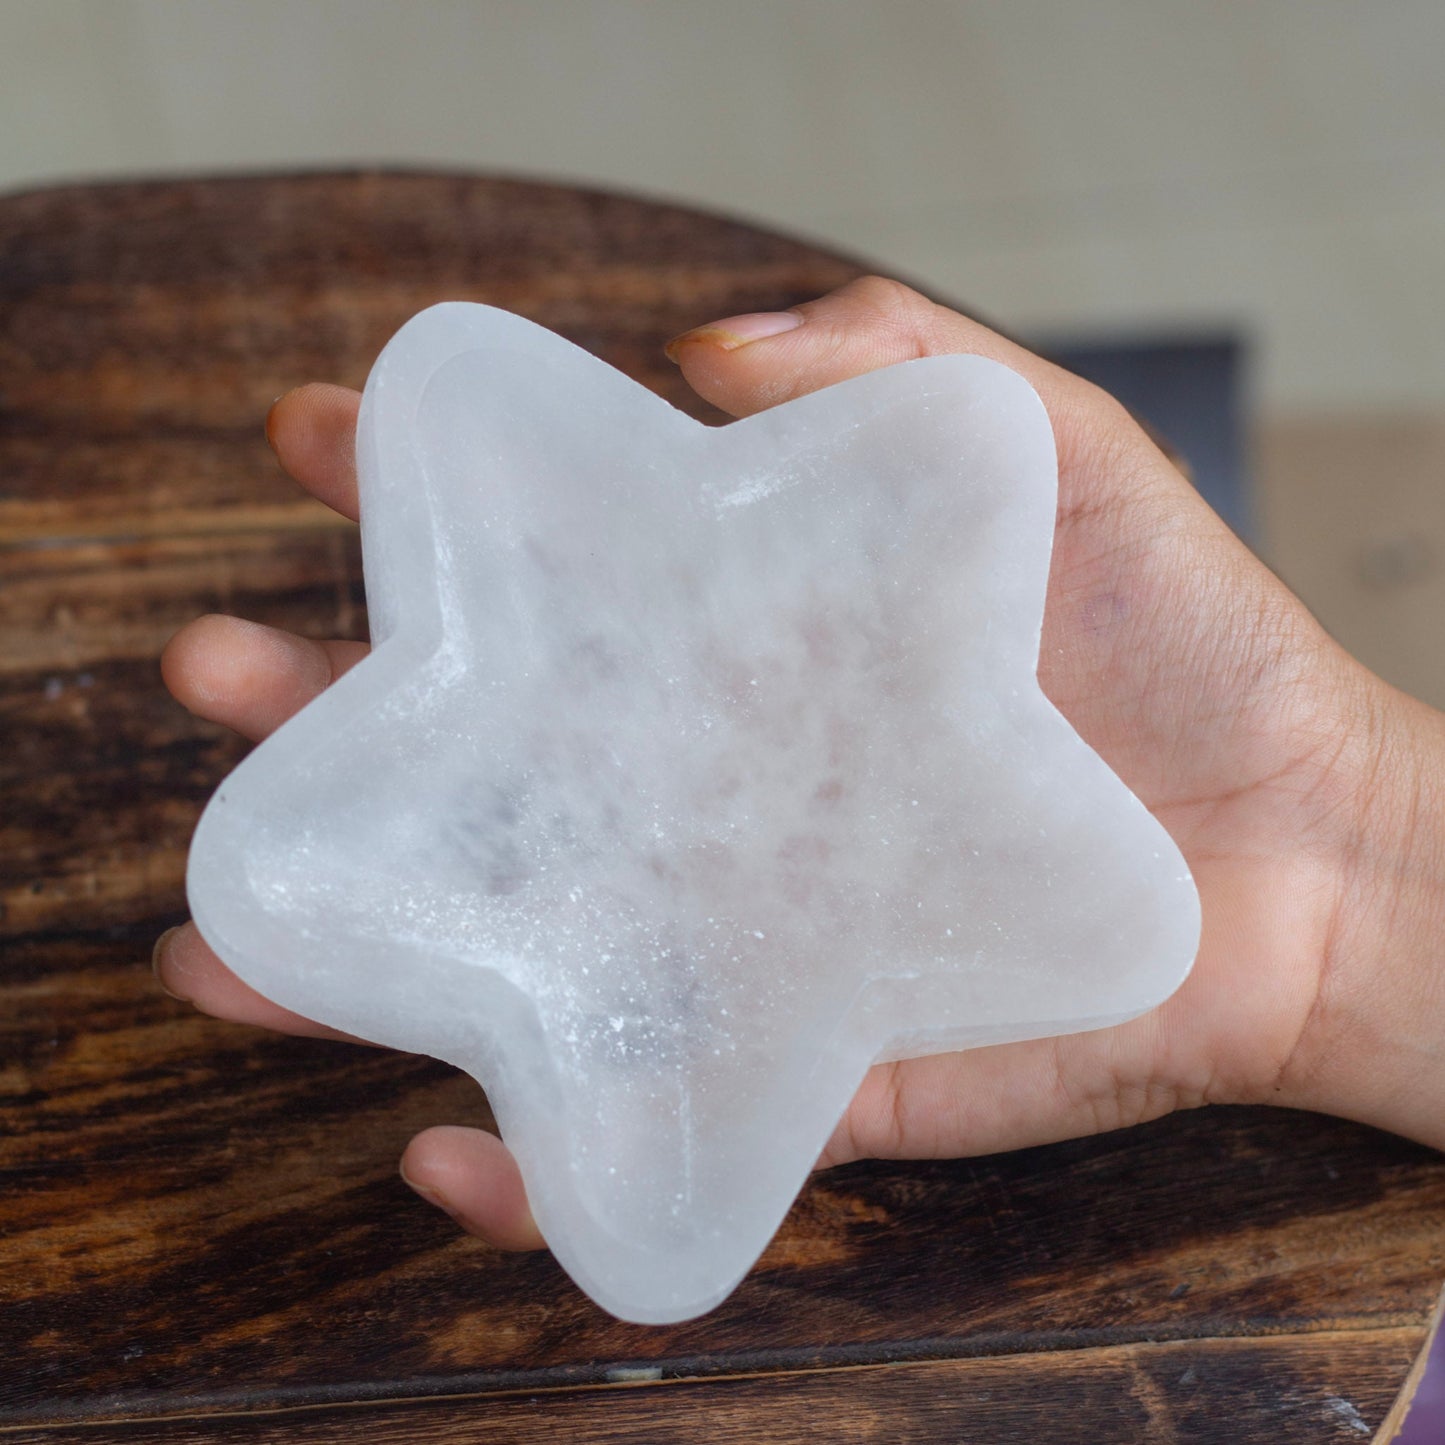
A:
x: 694, y: 770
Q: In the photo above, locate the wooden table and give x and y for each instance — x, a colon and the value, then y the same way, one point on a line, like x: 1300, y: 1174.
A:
x: 202, y: 1233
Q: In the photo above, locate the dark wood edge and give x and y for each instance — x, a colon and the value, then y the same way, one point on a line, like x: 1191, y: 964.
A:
x: 1394, y: 1422
x: 362, y: 1408
x: 984, y: 1350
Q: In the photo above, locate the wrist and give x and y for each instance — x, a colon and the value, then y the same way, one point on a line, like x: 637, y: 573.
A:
x: 1373, y: 1044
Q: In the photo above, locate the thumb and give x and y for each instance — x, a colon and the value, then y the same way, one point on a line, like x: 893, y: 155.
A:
x: 746, y: 364
x: 1107, y: 462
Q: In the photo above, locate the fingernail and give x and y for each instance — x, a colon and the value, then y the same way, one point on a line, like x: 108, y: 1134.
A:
x: 158, y: 963
x: 431, y: 1195
x: 271, y: 421
x: 736, y: 331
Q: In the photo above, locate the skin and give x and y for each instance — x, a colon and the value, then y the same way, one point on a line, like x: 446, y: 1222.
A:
x: 1304, y: 791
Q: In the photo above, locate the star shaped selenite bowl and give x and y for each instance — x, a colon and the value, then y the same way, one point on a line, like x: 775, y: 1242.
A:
x: 694, y: 770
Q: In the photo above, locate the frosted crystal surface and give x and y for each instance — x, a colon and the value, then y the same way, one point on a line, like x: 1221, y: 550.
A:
x: 693, y: 771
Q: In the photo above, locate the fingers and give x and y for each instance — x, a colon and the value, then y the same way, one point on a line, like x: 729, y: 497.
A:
x: 1013, y: 1096
x: 247, y: 676
x: 242, y: 674
x: 748, y: 363
x: 948, y: 1105
x: 253, y: 678
x: 313, y: 433
x: 472, y: 1176
x: 467, y: 1172
x: 188, y: 970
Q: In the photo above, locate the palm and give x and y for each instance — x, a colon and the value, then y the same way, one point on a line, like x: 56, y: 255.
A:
x: 1197, y: 714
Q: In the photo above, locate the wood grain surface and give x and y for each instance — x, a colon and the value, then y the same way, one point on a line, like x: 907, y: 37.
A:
x: 202, y: 1234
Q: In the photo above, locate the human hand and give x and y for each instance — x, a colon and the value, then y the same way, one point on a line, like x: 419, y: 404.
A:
x: 1300, y: 788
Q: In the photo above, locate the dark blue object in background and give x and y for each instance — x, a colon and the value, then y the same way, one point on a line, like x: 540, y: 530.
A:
x: 1191, y: 392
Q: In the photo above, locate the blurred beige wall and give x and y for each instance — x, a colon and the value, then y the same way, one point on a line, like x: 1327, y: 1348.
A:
x: 1055, y: 163
x: 1061, y: 165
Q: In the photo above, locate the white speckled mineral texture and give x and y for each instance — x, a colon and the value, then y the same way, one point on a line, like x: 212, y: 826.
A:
x: 693, y: 771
